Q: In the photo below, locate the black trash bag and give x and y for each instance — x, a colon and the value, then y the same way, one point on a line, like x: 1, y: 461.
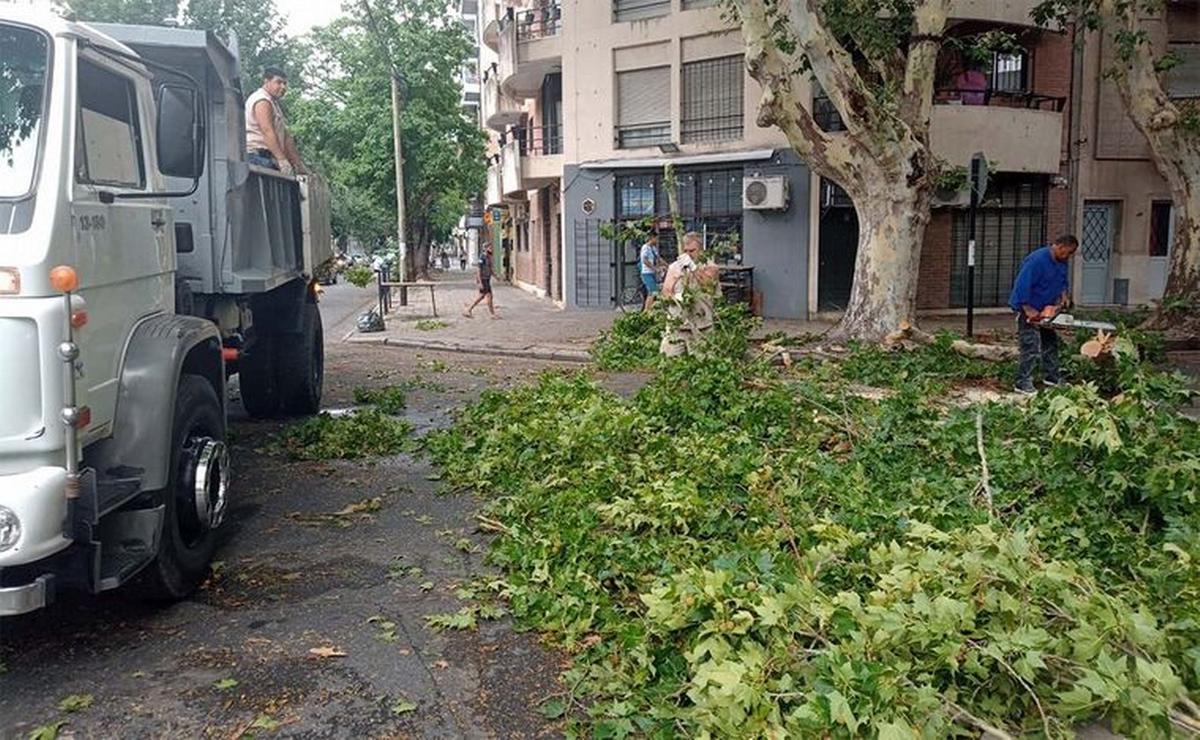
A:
x: 370, y: 322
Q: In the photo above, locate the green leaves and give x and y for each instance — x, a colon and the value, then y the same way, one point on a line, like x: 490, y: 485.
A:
x: 735, y: 552
x: 364, y: 433
x: 76, y: 702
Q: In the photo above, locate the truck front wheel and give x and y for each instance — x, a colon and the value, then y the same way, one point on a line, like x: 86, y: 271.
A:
x: 195, y: 496
x: 300, y: 365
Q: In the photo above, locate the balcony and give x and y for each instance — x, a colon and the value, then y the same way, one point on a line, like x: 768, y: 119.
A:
x: 532, y: 158
x: 499, y: 110
x: 1017, y: 132
x: 495, y: 188
x: 1008, y: 12
x: 492, y: 13
x: 530, y: 48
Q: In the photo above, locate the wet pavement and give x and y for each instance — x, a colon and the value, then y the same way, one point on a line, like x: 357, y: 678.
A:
x: 312, y: 625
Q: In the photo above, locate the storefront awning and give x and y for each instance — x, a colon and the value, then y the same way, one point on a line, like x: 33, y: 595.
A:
x: 755, y: 155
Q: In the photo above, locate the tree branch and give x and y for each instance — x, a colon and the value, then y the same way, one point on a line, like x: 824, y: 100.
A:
x: 781, y: 103
x: 832, y: 66
x: 921, y: 69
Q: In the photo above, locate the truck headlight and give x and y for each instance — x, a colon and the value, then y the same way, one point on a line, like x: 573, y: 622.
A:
x: 10, y: 529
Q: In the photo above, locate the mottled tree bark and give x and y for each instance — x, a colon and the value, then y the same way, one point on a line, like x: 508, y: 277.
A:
x: 1174, y: 147
x: 883, y: 158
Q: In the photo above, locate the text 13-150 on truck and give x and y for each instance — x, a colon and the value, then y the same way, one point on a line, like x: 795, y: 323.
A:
x: 142, y: 263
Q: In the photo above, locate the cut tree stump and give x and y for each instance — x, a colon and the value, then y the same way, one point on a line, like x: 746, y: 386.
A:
x: 907, y: 333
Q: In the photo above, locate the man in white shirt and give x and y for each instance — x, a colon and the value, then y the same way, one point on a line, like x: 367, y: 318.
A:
x: 268, y: 142
x: 690, y: 287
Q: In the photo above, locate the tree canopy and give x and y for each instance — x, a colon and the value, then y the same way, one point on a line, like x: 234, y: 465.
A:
x: 343, y: 120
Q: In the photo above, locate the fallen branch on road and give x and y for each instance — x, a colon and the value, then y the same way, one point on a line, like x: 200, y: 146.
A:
x: 908, y: 335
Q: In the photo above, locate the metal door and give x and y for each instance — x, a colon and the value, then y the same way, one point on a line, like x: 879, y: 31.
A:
x: 1095, y: 251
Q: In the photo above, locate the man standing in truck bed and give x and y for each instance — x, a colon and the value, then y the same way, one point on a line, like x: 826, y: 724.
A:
x: 268, y: 142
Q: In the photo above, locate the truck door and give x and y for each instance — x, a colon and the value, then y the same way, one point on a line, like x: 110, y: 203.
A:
x: 122, y: 252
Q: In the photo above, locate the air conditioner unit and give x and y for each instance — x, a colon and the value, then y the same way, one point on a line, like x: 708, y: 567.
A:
x: 765, y: 193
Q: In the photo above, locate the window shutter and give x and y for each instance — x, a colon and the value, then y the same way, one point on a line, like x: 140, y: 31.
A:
x: 644, y: 96
x: 1183, y: 80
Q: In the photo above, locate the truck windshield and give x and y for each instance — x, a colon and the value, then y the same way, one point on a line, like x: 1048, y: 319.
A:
x: 24, y: 55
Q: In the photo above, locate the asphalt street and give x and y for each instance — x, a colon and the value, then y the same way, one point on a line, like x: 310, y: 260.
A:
x: 313, y: 624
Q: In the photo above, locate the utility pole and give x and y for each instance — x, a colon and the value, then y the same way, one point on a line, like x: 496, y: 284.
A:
x: 397, y: 146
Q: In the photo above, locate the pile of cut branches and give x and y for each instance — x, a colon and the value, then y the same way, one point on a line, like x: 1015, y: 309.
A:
x: 742, y: 552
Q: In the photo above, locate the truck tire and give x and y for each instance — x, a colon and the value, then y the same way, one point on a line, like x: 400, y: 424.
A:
x: 188, y: 540
x: 256, y: 377
x: 300, y: 365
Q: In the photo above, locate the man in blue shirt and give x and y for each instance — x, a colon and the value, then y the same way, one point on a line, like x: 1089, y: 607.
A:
x: 650, y: 261
x: 1041, y: 289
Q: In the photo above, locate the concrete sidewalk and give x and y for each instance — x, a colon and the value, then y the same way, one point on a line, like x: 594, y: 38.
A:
x: 527, y: 326
x: 536, y: 328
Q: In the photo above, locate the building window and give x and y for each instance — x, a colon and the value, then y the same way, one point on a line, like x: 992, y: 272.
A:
x: 694, y: 4
x: 824, y: 113
x: 1183, y: 80
x: 1011, y: 223
x: 1010, y: 72
x: 108, y: 148
x: 636, y: 10
x: 713, y: 100
x: 710, y: 202
x: 643, y: 107
x: 1160, y: 228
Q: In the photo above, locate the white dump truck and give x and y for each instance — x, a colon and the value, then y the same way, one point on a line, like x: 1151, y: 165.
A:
x: 142, y: 263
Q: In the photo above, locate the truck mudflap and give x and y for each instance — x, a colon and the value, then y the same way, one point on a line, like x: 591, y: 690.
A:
x: 28, y: 598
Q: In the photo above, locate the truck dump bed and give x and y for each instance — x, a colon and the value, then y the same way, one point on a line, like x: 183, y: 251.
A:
x: 246, y: 229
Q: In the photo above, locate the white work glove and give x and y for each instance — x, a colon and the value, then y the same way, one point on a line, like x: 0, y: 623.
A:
x: 287, y: 168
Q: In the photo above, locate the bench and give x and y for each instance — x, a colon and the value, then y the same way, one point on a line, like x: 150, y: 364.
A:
x: 404, y: 286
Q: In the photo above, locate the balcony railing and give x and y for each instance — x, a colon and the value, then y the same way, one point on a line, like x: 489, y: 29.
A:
x: 1002, y: 98
x: 536, y: 141
x: 828, y: 118
x: 537, y: 23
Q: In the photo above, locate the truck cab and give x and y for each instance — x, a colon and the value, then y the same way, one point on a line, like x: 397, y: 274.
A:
x: 113, y: 465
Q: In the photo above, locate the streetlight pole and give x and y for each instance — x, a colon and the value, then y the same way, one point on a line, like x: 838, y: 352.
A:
x: 398, y: 146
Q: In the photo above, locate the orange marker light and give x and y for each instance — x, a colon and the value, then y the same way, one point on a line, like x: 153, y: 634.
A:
x: 85, y: 418
x: 63, y: 279
x: 79, y: 319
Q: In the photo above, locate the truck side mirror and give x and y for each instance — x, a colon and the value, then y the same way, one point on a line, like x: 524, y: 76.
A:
x: 181, y: 131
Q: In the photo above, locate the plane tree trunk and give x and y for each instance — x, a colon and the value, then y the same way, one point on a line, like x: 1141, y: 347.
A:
x: 882, y: 159
x: 1172, y: 128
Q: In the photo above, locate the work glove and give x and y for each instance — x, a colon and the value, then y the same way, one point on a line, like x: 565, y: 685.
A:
x: 287, y: 169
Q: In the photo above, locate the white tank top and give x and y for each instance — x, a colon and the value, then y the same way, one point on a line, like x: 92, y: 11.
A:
x: 255, y: 139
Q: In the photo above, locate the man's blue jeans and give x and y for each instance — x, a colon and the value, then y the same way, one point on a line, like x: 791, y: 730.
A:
x: 1036, y: 343
x: 257, y: 159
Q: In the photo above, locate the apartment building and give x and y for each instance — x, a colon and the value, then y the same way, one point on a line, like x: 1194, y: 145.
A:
x: 587, y: 100
x: 1125, y: 218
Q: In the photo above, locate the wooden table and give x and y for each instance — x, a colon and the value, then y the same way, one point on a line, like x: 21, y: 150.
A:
x: 389, y: 286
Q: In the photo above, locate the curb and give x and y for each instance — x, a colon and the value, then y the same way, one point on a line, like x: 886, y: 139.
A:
x: 532, y: 352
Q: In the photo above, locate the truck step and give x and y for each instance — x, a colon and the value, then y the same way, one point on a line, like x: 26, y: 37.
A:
x: 112, y: 493
x: 129, y: 542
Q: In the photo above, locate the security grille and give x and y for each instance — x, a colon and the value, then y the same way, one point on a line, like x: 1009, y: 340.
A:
x: 1096, y: 245
x: 1011, y: 223
x: 713, y: 100
x: 595, y: 277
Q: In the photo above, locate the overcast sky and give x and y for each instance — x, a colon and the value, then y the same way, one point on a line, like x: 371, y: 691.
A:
x: 304, y: 14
